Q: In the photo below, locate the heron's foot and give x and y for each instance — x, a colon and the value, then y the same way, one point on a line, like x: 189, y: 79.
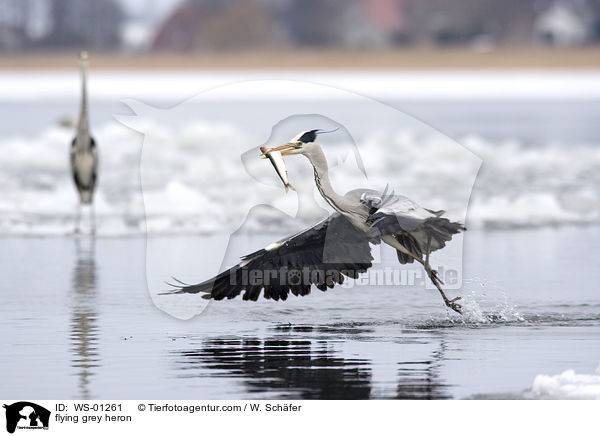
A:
x: 452, y: 304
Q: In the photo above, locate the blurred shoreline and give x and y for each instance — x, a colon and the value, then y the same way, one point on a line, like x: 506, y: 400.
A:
x: 450, y: 58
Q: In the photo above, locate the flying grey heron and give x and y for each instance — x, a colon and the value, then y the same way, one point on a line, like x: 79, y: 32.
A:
x: 339, y: 245
x: 84, y: 153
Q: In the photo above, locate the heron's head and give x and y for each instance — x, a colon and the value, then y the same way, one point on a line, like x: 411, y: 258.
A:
x: 83, y: 59
x: 302, y: 143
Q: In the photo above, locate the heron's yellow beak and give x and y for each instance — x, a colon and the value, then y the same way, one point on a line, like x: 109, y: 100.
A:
x: 284, y: 149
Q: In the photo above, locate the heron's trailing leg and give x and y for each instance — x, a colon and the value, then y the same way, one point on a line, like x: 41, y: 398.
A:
x: 93, y: 218
x: 77, y: 219
x: 452, y: 304
x: 433, y: 274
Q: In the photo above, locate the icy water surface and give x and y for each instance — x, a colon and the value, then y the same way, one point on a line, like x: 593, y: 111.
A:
x: 76, y: 321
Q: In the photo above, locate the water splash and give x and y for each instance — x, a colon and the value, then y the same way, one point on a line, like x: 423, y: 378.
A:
x: 477, y: 310
x: 472, y: 311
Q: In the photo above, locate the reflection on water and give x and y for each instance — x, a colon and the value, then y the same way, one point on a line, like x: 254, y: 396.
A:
x: 84, y: 319
x: 420, y: 380
x: 307, y: 368
x: 300, y: 368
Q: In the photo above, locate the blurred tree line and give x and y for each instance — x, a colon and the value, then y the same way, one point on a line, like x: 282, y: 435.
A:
x: 205, y: 25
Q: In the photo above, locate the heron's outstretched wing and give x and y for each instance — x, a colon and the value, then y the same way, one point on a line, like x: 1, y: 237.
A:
x: 321, y: 255
x: 415, y: 227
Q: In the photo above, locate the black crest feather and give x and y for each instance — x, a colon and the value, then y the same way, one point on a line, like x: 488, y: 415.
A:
x: 310, y: 136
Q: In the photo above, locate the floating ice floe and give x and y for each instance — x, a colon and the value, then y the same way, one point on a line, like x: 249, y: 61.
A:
x: 567, y: 386
x: 518, y: 185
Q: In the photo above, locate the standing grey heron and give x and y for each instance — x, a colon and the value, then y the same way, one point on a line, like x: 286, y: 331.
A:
x: 339, y: 245
x: 84, y: 153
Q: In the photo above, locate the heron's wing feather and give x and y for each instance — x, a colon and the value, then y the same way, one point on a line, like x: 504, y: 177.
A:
x: 321, y: 255
x: 74, y: 172
x: 94, y: 151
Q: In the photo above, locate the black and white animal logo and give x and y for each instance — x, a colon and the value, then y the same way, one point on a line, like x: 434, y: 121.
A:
x: 26, y: 415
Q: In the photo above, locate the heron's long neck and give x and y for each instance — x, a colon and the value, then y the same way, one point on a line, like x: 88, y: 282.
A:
x: 319, y: 163
x: 83, y: 114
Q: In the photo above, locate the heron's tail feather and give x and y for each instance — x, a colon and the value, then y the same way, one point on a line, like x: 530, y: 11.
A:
x: 440, y: 230
x: 432, y: 233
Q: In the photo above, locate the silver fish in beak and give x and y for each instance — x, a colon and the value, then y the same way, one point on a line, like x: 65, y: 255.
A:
x: 277, y: 161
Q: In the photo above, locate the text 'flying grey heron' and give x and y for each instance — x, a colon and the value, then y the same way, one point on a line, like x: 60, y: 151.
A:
x: 337, y: 246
